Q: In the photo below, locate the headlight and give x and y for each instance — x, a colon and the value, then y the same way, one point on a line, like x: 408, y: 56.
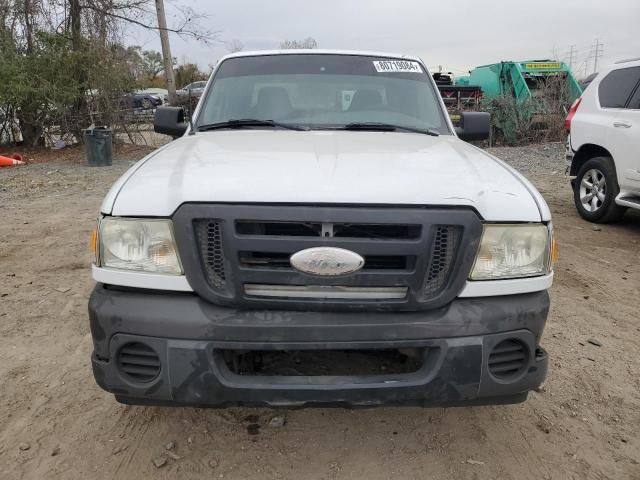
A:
x: 138, y: 244
x: 512, y: 251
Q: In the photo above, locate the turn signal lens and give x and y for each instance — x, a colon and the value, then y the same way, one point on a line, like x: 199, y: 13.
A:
x: 94, y: 241
x: 554, y: 252
x: 94, y: 245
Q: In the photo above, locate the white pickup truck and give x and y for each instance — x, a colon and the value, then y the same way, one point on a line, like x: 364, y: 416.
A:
x: 318, y: 234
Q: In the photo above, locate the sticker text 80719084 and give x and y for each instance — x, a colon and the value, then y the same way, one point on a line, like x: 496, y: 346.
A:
x: 396, y: 66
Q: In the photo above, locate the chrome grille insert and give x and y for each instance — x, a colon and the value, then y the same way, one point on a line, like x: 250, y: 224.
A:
x: 329, y: 292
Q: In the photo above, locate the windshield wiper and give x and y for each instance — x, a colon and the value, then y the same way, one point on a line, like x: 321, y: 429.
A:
x: 248, y: 122
x: 387, y: 127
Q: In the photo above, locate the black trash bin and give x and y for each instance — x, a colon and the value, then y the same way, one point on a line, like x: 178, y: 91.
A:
x: 97, y: 141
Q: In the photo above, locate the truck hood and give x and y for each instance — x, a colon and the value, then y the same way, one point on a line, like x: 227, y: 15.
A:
x: 324, y: 167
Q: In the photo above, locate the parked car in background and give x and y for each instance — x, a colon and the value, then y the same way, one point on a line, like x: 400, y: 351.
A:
x: 585, y: 82
x: 604, y: 144
x: 162, y: 93
x: 194, y: 90
x: 145, y: 101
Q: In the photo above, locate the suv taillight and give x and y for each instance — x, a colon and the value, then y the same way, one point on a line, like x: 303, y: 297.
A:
x: 572, y: 112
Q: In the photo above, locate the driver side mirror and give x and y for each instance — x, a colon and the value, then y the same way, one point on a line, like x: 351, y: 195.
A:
x: 170, y: 121
x: 474, y: 126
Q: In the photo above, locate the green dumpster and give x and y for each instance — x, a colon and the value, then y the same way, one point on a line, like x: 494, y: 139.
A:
x: 97, y: 141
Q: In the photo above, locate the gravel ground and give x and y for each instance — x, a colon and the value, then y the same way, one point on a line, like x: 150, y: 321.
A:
x: 55, y: 423
x: 534, y: 159
x: 58, y: 174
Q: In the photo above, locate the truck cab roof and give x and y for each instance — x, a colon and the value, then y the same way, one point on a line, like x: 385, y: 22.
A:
x: 319, y: 51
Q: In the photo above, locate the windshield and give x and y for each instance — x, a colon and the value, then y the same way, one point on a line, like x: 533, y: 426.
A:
x: 321, y: 91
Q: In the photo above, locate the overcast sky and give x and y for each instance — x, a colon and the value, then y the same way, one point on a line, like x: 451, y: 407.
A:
x: 456, y: 34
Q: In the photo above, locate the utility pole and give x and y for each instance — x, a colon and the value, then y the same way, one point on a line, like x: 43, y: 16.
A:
x: 586, y: 66
x: 597, y: 54
x: 75, y: 13
x: 166, y: 52
x: 572, y: 56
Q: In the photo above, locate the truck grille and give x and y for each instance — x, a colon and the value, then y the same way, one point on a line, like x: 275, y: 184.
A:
x: 209, y: 234
x: 281, y: 260
x: 444, y: 247
x: 339, y: 230
x: 240, y: 250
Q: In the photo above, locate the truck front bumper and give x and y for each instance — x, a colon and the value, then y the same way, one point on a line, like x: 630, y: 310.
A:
x: 188, y: 335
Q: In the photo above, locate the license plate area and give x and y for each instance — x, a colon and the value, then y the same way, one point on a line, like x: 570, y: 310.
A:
x: 319, y: 363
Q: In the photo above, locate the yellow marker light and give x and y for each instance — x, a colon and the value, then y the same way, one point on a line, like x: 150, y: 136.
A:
x: 94, y: 241
x: 94, y: 245
x: 554, y: 252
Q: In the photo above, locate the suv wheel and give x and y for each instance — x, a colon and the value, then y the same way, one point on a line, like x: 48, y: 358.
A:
x: 595, y: 190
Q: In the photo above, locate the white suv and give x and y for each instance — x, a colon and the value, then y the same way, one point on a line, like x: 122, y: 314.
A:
x: 603, y: 150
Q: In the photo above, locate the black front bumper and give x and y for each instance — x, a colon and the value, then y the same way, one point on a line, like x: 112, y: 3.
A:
x: 188, y: 334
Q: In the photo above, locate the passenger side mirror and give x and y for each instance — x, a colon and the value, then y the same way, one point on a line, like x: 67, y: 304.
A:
x: 170, y: 121
x: 474, y: 126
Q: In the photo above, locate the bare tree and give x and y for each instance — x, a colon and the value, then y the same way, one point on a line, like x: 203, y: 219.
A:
x: 308, y: 43
x: 142, y: 13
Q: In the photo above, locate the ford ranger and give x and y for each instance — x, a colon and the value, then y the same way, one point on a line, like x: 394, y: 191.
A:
x: 319, y: 233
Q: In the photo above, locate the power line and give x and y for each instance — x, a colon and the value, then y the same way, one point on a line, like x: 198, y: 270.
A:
x: 597, y: 54
x: 584, y: 65
x: 579, y: 58
x: 571, y: 56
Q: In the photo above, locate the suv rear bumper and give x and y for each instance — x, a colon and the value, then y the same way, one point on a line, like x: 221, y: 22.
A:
x: 188, y: 333
x: 568, y: 153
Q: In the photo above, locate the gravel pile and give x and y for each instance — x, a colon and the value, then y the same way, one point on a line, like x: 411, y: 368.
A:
x: 546, y: 158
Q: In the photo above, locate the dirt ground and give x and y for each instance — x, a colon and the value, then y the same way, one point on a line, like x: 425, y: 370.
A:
x: 55, y: 423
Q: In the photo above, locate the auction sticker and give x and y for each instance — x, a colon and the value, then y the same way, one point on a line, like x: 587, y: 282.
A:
x: 397, y: 66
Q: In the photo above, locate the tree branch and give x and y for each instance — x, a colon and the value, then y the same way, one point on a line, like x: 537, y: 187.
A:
x: 182, y: 30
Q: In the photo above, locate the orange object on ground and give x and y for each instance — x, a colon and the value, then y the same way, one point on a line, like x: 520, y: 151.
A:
x: 10, y: 161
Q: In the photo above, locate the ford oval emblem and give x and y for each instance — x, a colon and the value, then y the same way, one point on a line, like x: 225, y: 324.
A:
x: 326, y: 261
